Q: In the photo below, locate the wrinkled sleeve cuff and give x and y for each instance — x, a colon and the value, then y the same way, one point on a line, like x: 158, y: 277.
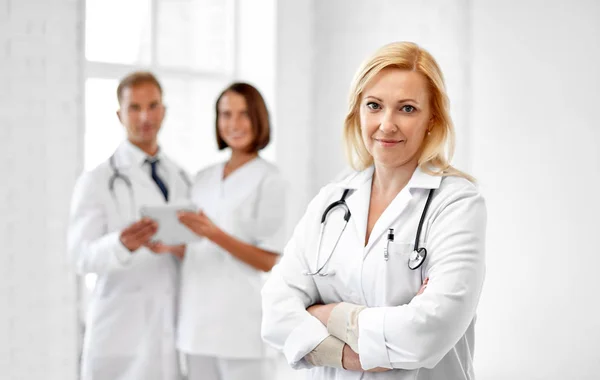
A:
x: 372, y: 347
x: 303, y: 339
x: 327, y: 354
x: 343, y: 323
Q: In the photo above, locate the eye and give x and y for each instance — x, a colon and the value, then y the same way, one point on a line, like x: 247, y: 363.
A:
x: 408, y: 108
x: 373, y: 106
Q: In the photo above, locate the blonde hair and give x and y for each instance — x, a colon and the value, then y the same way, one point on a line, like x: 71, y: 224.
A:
x: 438, y: 148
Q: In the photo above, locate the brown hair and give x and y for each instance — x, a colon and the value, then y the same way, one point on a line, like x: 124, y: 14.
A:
x: 135, y: 79
x: 257, y: 112
x: 438, y: 147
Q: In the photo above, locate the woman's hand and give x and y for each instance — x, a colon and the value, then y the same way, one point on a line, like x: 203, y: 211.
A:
x: 423, y: 287
x: 321, y: 312
x: 158, y: 247
x: 351, y: 361
x: 199, y: 224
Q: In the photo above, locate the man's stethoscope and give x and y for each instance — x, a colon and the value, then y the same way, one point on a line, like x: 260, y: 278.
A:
x: 118, y: 175
x: 415, y: 260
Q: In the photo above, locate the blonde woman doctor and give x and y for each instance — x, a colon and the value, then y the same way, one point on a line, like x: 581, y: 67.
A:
x: 242, y: 220
x: 344, y: 303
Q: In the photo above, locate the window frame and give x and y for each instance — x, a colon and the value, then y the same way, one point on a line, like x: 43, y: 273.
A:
x: 106, y: 70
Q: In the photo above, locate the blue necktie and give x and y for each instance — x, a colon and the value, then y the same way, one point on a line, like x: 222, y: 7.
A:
x: 159, y: 182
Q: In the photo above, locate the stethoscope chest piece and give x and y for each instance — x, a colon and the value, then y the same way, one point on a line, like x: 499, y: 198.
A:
x: 417, y: 258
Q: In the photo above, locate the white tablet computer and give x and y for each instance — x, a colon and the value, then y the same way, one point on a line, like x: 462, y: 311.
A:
x: 170, y: 230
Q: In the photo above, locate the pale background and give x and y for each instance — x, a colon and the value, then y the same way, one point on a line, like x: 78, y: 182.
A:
x: 524, y: 83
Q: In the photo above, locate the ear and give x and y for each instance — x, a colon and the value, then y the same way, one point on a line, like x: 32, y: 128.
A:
x: 119, y: 115
x: 430, y: 124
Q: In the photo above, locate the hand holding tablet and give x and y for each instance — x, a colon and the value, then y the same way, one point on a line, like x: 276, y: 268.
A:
x: 170, y: 230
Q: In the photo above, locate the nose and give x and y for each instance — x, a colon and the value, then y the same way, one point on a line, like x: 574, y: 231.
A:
x: 144, y: 115
x: 387, y: 123
x: 235, y: 122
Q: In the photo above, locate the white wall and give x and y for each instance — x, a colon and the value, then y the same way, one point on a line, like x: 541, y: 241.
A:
x: 40, y: 151
x: 294, y: 86
x: 534, y: 147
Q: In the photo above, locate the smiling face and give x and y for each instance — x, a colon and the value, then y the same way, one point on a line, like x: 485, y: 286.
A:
x: 395, y: 113
x: 233, y: 122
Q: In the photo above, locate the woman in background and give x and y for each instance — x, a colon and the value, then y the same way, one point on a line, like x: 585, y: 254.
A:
x: 242, y: 219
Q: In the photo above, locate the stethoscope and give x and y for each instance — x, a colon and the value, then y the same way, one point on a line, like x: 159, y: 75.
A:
x: 415, y: 259
x: 118, y: 175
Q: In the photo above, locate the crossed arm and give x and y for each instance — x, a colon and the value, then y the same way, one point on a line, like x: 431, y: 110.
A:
x: 340, y: 348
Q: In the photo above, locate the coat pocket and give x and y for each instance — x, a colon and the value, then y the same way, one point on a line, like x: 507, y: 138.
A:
x: 402, y: 283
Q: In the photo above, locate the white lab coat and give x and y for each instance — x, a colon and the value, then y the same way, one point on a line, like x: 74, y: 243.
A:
x: 220, y: 305
x: 429, y: 336
x: 130, y: 323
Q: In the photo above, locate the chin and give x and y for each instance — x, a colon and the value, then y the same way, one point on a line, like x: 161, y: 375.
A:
x: 147, y: 139
x: 240, y: 145
x: 390, y: 162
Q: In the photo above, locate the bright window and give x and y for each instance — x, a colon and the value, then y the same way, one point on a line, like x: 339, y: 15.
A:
x: 188, y: 44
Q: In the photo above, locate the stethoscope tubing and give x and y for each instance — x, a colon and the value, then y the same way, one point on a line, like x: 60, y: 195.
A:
x: 419, y: 253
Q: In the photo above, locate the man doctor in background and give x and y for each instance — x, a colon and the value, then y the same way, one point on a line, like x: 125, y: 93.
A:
x: 130, y: 324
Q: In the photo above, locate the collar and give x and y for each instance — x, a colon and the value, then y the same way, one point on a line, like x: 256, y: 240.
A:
x: 131, y: 155
x: 419, y: 179
x: 423, y: 180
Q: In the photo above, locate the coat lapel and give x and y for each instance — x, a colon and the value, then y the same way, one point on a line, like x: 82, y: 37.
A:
x: 389, y: 216
x: 243, y: 182
x: 130, y: 166
x: 419, y: 180
x: 358, y: 200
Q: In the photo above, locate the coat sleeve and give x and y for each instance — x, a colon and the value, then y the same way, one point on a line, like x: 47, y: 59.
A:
x: 286, y: 325
x: 420, y: 333
x: 92, y: 248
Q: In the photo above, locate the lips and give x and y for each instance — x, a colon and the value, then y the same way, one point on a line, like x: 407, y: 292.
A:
x: 236, y: 136
x: 388, y: 142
